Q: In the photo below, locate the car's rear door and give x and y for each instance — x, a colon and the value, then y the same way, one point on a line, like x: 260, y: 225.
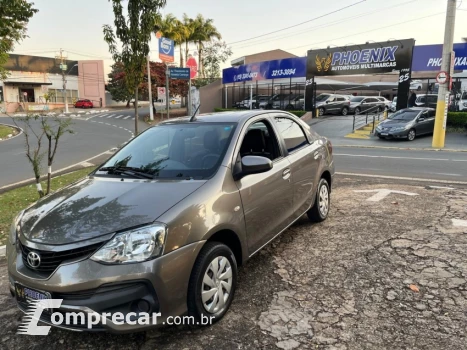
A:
x: 267, y: 198
x: 304, y: 157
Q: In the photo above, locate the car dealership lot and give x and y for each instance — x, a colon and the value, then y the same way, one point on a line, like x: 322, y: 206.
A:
x: 342, y: 284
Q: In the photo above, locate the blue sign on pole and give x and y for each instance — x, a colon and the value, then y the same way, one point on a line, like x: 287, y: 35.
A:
x: 166, y: 50
x: 179, y: 73
x: 429, y: 57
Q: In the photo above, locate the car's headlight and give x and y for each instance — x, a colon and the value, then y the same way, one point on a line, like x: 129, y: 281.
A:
x: 465, y: 104
x: 14, y: 229
x: 400, y: 128
x: 132, y: 246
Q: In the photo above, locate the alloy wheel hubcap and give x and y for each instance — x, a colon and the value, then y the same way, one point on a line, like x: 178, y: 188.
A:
x: 217, y: 284
x: 323, y: 200
x: 411, y: 135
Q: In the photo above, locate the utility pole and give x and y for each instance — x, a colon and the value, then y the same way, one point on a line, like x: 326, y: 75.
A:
x: 151, y: 112
x: 443, y: 92
x: 63, y: 68
x: 167, y: 102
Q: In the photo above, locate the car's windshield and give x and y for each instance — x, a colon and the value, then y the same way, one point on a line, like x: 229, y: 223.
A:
x: 357, y: 99
x: 322, y: 97
x: 191, y: 150
x: 406, y: 115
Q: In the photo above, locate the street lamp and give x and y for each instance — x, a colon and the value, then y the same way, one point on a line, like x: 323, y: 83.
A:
x: 64, y: 87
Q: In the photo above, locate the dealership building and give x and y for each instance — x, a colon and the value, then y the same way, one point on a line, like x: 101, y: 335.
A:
x: 385, y: 68
x: 36, y: 83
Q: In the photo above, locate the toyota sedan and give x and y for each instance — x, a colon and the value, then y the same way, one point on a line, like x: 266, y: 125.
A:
x: 164, y: 224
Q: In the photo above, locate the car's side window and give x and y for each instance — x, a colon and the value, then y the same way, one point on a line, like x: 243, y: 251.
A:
x: 292, y: 133
x: 260, y: 140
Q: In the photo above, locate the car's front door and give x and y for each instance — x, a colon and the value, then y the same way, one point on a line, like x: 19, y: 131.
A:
x: 423, y: 124
x: 267, y: 198
x: 304, y: 158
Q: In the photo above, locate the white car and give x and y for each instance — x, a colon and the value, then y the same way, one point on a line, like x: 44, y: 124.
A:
x: 416, y: 85
x: 386, y: 102
x: 463, y: 102
x: 393, y: 106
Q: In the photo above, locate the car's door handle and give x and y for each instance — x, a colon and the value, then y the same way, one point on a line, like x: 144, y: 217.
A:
x: 286, y: 174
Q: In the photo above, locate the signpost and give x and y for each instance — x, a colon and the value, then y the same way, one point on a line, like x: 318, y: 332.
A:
x: 442, y: 77
x: 179, y: 73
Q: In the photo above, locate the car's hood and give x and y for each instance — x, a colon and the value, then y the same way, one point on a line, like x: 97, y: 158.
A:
x: 98, y: 206
x: 388, y: 123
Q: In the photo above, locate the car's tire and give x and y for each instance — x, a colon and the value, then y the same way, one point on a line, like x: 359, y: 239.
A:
x: 357, y: 110
x: 345, y: 111
x: 419, y: 88
x: 411, y: 135
x: 320, y: 209
x: 211, y: 256
x: 380, y: 109
x: 289, y: 107
x: 321, y: 111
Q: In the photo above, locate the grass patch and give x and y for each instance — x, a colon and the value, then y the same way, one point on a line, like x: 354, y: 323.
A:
x: 6, y: 130
x: 12, y: 202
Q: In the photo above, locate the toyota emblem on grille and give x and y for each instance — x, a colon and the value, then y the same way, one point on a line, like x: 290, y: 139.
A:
x: 34, y: 260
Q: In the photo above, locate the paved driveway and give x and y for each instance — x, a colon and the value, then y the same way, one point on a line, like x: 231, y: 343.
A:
x: 342, y: 284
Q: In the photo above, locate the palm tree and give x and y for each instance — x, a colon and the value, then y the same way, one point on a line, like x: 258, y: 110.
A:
x: 174, y: 29
x: 204, y: 30
x: 189, y: 31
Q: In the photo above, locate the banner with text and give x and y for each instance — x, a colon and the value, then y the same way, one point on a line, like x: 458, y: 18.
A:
x: 429, y: 57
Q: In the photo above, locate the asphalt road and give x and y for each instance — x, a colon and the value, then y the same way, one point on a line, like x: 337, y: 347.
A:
x: 441, y: 165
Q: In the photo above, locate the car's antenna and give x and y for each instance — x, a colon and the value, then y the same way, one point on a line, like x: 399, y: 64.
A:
x: 193, y: 117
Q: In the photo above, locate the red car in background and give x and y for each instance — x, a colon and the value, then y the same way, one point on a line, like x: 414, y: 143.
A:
x: 84, y: 104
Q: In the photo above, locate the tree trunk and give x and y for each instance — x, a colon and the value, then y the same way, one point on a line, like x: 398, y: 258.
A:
x: 181, y: 56
x: 49, y: 177
x: 39, y: 187
x: 200, y: 63
x: 186, y: 50
x: 136, y: 112
x: 128, y: 104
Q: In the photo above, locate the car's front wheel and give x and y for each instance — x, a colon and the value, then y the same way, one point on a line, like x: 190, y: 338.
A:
x: 212, y: 282
x: 357, y: 110
x: 411, y: 135
x: 321, y: 111
x: 320, y: 210
x: 345, y: 111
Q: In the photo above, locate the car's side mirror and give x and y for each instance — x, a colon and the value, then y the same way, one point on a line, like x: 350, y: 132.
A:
x: 421, y: 119
x: 253, y: 165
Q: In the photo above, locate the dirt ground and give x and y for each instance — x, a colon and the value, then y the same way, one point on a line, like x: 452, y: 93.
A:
x: 387, y: 274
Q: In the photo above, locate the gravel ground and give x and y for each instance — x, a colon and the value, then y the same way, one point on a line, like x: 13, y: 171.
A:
x: 376, y: 275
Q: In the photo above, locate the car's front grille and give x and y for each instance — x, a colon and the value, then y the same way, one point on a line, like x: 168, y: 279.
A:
x: 49, y: 261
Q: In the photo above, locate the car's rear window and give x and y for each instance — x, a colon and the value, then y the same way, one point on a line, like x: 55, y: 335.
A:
x: 191, y: 150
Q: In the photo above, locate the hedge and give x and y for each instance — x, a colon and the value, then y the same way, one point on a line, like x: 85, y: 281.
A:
x: 297, y: 113
x: 457, y: 119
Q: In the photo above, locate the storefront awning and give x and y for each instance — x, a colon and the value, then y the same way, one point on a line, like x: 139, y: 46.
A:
x: 25, y: 80
x: 16, y: 82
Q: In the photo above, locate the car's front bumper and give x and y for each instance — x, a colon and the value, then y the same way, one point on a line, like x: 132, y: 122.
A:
x: 89, y: 287
x: 401, y: 134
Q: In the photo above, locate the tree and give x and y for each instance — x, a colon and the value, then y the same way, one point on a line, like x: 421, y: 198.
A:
x: 174, y: 29
x: 15, y: 15
x: 53, y: 130
x: 214, y: 54
x: 133, y: 30
x: 204, y: 31
x: 49, y: 96
x: 117, y: 84
x: 176, y: 86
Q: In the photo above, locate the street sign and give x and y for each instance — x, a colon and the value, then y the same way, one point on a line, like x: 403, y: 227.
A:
x: 193, y: 65
x: 166, y: 50
x: 442, y: 77
x: 63, y: 66
x: 179, y: 73
x: 161, y: 93
x: 158, y: 35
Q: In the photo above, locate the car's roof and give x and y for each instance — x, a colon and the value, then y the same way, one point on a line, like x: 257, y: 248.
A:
x: 418, y: 109
x: 220, y: 117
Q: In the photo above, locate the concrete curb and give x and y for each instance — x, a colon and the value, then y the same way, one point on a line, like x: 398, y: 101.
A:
x: 388, y: 177
x: 15, y: 127
x: 402, y: 148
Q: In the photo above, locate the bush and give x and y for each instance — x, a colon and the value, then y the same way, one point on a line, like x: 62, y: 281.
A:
x: 297, y: 113
x: 457, y: 119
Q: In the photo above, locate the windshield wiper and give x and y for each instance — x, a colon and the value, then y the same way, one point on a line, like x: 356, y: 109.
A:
x: 126, y: 170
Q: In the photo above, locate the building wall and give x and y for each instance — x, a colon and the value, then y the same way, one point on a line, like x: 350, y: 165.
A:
x: 91, y: 83
x: 210, y: 97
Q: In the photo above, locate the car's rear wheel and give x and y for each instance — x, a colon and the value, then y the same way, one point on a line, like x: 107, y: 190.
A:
x: 345, y: 111
x: 212, y: 282
x: 320, y: 210
x: 289, y: 107
x: 321, y: 111
x: 411, y: 135
x: 357, y: 110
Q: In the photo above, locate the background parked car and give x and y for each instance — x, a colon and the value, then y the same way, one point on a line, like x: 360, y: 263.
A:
x: 287, y: 100
x: 393, y: 106
x: 268, y: 104
x: 333, y: 104
x: 84, y: 104
x: 359, y: 104
x: 416, y: 85
x: 425, y: 100
x: 387, y: 103
x: 407, y: 123
x: 256, y: 100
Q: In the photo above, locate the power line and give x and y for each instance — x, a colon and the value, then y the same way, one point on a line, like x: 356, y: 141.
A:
x: 366, y: 31
x: 324, y: 25
x: 299, y: 24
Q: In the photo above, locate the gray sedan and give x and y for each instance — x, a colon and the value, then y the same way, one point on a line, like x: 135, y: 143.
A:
x: 407, y: 124
x: 161, y: 227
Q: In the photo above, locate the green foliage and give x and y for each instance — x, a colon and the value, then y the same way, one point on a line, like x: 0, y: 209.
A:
x: 14, y: 15
x: 214, y: 54
x: 49, y: 95
x: 117, y: 84
x: 457, y: 119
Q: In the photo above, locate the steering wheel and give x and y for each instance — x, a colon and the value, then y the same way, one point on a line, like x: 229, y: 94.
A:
x: 207, y: 156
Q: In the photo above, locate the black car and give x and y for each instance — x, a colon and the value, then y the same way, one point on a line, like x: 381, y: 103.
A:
x: 407, y: 124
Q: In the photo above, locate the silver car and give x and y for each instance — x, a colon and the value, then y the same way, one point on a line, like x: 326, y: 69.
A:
x: 162, y: 226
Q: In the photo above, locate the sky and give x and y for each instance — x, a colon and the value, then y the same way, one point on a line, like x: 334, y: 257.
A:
x: 244, y: 23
